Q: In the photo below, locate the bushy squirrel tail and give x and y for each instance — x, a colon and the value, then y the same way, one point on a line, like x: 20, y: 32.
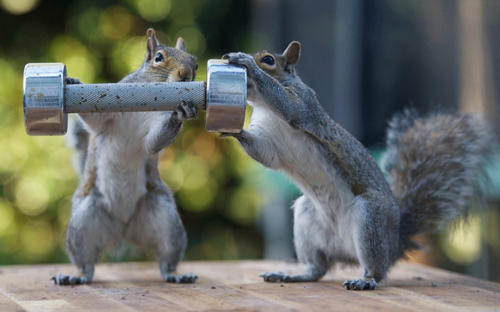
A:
x: 78, y: 139
x: 435, y: 168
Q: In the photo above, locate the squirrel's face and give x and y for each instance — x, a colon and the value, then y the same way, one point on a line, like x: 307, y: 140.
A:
x: 169, y: 64
x: 279, y: 65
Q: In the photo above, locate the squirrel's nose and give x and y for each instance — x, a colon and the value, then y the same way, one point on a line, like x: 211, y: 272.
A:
x: 182, y: 74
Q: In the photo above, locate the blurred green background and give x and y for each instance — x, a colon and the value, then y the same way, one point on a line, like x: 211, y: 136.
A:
x: 376, y: 57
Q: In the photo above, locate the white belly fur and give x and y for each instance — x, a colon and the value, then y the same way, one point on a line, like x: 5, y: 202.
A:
x: 121, y: 160
x: 306, y: 162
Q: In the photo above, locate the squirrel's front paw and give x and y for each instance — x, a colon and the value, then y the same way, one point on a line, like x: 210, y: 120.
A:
x: 186, y: 111
x: 70, y: 80
x: 240, y: 58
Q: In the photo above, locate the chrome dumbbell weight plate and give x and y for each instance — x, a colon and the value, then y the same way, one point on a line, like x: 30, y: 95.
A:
x: 43, y: 97
x: 226, y: 97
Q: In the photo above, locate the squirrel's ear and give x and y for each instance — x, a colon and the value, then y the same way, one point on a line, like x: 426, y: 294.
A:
x: 292, y: 53
x: 151, y: 43
x: 181, y: 45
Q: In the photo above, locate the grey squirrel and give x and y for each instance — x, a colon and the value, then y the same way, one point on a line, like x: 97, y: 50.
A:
x: 349, y: 212
x: 121, y: 195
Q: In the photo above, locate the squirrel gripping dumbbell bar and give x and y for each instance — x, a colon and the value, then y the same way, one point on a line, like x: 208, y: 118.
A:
x: 48, y: 100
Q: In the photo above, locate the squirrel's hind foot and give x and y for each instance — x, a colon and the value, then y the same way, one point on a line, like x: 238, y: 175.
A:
x: 368, y: 284
x: 274, y: 277
x: 65, y: 280
x: 180, y: 278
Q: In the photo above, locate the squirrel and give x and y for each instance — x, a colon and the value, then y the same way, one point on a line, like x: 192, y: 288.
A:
x: 121, y: 195
x: 349, y: 212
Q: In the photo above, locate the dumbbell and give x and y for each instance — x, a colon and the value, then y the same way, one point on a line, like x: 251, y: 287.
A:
x: 47, y: 100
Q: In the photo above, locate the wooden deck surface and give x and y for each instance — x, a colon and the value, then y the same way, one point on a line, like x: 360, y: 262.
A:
x: 236, y: 286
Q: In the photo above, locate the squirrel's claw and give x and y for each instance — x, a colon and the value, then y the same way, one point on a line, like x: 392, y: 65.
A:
x: 360, y: 284
x: 186, y: 111
x: 70, y: 80
x: 65, y: 280
x: 274, y: 277
x: 181, y: 278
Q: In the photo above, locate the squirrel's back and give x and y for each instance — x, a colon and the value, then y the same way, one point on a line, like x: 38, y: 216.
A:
x: 434, y: 166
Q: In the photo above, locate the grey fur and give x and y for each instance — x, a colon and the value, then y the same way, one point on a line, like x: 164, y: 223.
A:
x: 348, y: 212
x: 78, y: 139
x: 121, y: 195
x: 434, y: 165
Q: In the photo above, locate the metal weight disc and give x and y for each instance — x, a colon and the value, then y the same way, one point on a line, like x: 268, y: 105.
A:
x: 43, y: 96
x: 226, y: 96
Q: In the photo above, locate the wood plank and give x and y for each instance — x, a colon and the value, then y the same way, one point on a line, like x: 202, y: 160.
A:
x: 7, y: 304
x: 224, y: 286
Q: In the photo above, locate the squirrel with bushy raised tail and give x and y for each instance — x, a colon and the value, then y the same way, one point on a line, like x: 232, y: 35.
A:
x: 121, y: 195
x: 349, y: 212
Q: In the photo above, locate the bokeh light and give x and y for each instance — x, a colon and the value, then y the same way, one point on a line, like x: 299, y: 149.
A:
x: 153, y: 10
x: 80, y: 62
x: 462, y: 243
x: 242, y: 206
x: 116, y: 22
x: 18, y: 7
x: 128, y: 55
x: 13, y: 155
x: 32, y: 195
x: 493, y: 227
x: 195, y: 42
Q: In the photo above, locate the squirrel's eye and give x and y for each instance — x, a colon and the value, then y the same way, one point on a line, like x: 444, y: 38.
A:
x: 158, y: 57
x: 268, y: 59
x: 196, y: 67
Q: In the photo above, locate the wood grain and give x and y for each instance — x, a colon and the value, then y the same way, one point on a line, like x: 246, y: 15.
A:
x: 235, y: 286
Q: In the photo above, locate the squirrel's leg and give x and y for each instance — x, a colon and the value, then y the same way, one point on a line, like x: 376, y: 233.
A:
x: 258, y: 147
x: 308, y: 245
x: 163, y: 133
x: 158, y: 226
x: 371, y: 241
x: 89, y: 231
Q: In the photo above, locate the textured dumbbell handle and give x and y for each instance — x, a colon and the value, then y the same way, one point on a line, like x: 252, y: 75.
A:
x: 132, y: 97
